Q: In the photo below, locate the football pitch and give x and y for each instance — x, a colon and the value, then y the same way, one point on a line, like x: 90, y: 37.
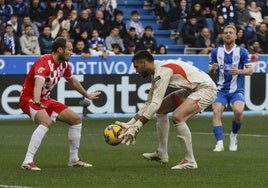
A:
x: 122, y: 166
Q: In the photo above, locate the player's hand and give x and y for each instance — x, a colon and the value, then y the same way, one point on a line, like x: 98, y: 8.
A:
x: 94, y: 95
x: 214, y: 68
x: 39, y: 104
x: 122, y: 124
x: 129, y: 137
x: 126, y: 125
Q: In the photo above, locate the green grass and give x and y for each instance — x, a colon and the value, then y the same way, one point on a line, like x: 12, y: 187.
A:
x: 122, y: 166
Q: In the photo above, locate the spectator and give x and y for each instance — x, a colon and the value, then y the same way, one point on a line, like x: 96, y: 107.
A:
x: 250, y: 31
x: 95, y: 39
x: 10, y: 42
x: 189, y: 31
x: 131, y: 48
x: 20, y: 9
x: 55, y: 23
x: 45, y: 41
x: 36, y: 14
x: 177, y: 17
x: 80, y: 48
x: 70, y: 23
x: 136, y: 23
x: 255, y: 48
x: 100, y: 24
x: 218, y: 30
x: 2, y: 28
x: 113, y: 38
x: 198, y: 12
x: 100, y: 51
x: 147, y: 41
x: 161, y: 50
x: 83, y: 27
x: 64, y: 34
x: 29, y: 43
x: 205, y: 41
x: 210, y: 14
x: 67, y: 8
x: 161, y: 10
x: 240, y: 40
x: 116, y: 49
x: 264, y: 9
x: 107, y: 9
x: 255, y: 12
x: 27, y: 21
x: 262, y: 37
x: 119, y: 22
x: 52, y: 8
x: 6, y: 11
x: 131, y: 37
x: 15, y: 24
x: 227, y: 10
x: 265, y: 20
x: 241, y: 15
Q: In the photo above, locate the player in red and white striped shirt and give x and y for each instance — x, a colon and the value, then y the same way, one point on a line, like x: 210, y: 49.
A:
x: 35, y: 101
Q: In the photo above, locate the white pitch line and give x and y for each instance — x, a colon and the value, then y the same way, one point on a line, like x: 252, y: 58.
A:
x: 14, y: 186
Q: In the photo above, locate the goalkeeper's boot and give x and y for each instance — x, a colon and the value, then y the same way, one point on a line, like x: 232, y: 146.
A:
x: 185, y: 164
x: 156, y: 156
x: 79, y: 163
x: 219, y: 146
x: 233, y: 142
x: 30, y: 166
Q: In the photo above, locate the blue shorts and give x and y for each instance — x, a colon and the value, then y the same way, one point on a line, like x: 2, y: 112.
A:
x: 229, y: 98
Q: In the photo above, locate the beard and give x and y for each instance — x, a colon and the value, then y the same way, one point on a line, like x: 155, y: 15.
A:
x: 63, y: 58
x: 144, y: 74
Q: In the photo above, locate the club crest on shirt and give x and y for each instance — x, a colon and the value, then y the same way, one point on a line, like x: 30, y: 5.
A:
x: 40, y: 70
x: 157, y: 78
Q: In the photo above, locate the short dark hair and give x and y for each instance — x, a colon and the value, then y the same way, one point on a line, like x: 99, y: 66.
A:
x: 143, y: 54
x: 134, y: 12
x: 59, y: 42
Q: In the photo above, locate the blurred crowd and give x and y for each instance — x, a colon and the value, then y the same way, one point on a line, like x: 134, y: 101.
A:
x: 200, y: 23
x: 97, y: 27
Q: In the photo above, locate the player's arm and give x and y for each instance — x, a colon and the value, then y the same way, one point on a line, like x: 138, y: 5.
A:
x: 74, y: 83
x: 38, y: 84
x: 213, y: 65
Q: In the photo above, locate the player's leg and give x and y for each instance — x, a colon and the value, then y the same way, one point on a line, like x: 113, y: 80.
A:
x: 238, y: 108
x: 169, y: 104
x: 218, y: 107
x: 40, y: 116
x: 74, y: 135
x: 194, y: 103
x: 186, y: 110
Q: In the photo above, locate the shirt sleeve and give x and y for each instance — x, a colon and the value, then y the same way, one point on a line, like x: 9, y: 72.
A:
x: 159, y: 87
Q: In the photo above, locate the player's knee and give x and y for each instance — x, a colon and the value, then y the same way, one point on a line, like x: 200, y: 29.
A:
x: 176, y: 118
x: 77, y: 120
x: 238, y: 112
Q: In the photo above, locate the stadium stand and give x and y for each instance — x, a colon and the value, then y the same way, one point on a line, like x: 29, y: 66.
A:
x: 148, y: 18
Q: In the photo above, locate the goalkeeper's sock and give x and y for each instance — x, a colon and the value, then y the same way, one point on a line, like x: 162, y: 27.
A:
x: 218, y: 132
x: 236, y: 127
x: 162, y: 127
x: 185, y: 138
x: 74, y: 136
x: 35, y: 142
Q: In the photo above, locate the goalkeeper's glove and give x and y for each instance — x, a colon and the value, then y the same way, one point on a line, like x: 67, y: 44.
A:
x: 129, y: 137
x: 126, y: 125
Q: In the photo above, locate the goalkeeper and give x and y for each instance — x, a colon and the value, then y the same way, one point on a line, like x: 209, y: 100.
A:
x: 196, y: 91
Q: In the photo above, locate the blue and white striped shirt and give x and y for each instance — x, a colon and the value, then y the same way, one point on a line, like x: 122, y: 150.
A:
x: 237, y: 57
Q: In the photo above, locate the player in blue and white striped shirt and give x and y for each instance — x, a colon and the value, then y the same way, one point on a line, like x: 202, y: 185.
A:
x: 230, y: 63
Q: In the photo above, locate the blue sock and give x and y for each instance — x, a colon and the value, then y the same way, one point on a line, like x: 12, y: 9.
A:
x: 218, y: 132
x: 236, y: 127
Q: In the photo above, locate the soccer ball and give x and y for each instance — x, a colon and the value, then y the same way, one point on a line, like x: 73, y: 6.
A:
x: 111, y: 133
